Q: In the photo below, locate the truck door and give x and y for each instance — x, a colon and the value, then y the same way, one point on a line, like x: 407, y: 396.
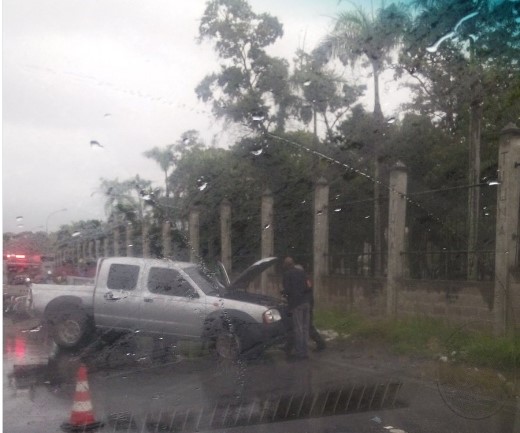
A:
x: 171, y: 305
x: 117, y: 299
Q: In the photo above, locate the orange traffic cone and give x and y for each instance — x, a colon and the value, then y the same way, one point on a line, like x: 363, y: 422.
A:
x: 82, y: 417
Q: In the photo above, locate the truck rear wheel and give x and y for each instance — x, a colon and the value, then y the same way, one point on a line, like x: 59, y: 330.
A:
x: 70, y: 329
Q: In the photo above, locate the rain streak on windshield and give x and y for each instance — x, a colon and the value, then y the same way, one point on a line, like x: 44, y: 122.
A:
x: 348, y: 170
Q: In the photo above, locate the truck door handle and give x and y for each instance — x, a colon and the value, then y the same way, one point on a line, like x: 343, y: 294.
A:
x: 148, y: 300
x: 109, y: 296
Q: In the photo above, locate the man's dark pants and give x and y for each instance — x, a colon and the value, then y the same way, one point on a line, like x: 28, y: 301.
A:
x: 300, y: 322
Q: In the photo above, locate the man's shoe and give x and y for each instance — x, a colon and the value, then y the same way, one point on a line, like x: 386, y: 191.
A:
x: 297, y: 358
x: 320, y: 347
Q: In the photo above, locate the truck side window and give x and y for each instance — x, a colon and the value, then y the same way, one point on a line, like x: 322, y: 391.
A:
x: 122, y: 277
x: 168, y: 282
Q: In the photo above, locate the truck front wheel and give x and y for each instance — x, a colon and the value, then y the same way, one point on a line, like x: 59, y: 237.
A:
x: 70, y: 329
x: 228, y: 344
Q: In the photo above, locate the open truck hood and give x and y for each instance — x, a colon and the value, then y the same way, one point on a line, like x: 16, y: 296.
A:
x: 253, y: 271
x: 245, y: 278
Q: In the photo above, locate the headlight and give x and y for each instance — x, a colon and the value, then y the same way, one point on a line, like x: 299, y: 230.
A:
x: 272, y: 315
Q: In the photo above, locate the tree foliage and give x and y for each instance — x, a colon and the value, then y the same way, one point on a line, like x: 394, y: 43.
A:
x: 251, y: 87
x: 323, y: 92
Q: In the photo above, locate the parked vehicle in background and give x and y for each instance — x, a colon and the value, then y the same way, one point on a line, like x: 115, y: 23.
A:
x: 18, y: 267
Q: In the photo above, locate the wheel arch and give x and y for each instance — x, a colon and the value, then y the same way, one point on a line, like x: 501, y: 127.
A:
x: 246, y: 325
x: 63, y: 304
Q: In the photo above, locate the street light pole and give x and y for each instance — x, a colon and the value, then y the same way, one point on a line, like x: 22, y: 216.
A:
x: 51, y: 214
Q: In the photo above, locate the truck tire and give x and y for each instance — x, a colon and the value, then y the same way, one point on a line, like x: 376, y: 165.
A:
x: 228, y: 344
x: 70, y: 329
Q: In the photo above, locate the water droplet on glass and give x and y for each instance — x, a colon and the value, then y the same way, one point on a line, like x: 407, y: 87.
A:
x: 258, y: 117
x: 19, y: 219
x: 338, y: 209
x: 203, y: 186
x: 304, y: 201
x: 493, y: 182
x: 433, y: 49
x: 186, y: 141
x: 257, y: 152
x: 307, y: 83
x: 391, y: 120
x: 451, y: 35
x: 367, y: 217
x: 95, y: 144
x: 75, y: 234
x: 320, y: 212
x: 137, y: 331
x: 267, y: 226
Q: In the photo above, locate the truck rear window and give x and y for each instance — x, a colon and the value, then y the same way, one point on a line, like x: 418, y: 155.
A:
x: 122, y: 277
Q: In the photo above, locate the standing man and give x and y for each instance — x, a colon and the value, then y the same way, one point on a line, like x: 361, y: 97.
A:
x: 298, y: 299
x: 313, y: 332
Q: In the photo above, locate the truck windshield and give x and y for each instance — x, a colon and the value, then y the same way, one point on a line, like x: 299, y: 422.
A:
x: 205, y: 280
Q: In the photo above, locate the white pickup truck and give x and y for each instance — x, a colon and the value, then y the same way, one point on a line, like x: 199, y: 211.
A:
x: 163, y: 298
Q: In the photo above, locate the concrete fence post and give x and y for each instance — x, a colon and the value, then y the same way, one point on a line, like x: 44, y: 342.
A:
x: 267, y: 236
x: 225, y: 234
x: 194, y: 233
x: 321, y: 236
x: 116, y: 241
x: 507, y: 294
x: 166, y: 239
x: 145, y: 231
x: 396, y: 235
x: 84, y: 249
x: 97, y: 248
x: 90, y: 249
x: 78, y: 251
x: 106, y: 248
x: 129, y: 240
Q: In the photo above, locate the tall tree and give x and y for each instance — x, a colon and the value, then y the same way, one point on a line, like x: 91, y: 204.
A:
x: 252, y: 87
x: 323, y: 92
x: 166, y: 159
x: 126, y: 199
x: 358, y: 36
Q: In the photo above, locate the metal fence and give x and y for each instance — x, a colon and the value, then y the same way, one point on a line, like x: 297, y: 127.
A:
x: 436, y: 235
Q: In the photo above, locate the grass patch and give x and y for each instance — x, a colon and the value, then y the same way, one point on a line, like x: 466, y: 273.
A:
x: 427, y: 337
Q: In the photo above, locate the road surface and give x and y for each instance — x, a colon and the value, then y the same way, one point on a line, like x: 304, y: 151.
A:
x: 137, y: 385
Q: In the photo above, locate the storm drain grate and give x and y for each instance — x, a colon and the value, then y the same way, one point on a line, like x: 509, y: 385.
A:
x: 273, y: 408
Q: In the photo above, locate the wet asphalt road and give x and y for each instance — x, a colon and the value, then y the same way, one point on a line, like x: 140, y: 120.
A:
x: 137, y: 385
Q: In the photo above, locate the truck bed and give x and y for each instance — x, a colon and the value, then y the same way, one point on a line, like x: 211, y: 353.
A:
x: 42, y: 294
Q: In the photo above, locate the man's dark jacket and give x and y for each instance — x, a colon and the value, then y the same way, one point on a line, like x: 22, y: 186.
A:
x: 295, y: 287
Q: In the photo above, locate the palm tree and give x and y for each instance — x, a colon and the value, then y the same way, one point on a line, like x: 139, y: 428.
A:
x: 126, y: 198
x: 358, y: 36
x: 166, y: 160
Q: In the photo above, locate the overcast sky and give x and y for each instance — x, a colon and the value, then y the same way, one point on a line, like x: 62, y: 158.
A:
x: 119, y: 72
